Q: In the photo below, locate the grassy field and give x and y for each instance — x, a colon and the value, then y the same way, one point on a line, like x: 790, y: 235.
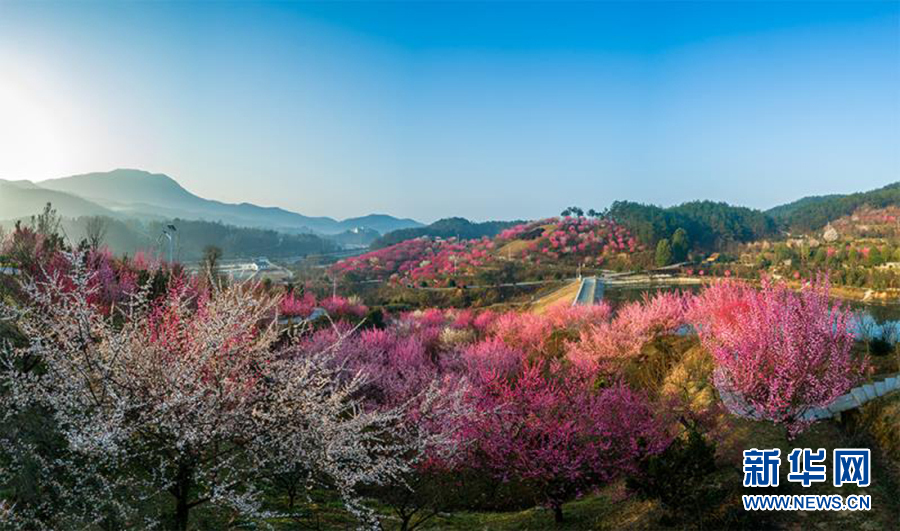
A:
x: 563, y: 295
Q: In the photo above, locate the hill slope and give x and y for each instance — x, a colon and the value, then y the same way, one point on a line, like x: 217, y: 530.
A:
x: 20, y: 199
x: 812, y: 213
x: 709, y: 224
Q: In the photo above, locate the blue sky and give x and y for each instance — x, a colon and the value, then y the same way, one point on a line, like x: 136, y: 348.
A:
x: 486, y: 110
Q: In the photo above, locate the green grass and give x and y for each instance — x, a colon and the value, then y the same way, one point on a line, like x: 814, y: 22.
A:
x: 598, y: 511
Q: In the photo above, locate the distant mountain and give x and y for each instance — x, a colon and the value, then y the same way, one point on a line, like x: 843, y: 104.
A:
x: 19, y: 199
x: 446, y: 228
x: 359, y: 237
x: 814, y: 212
x: 144, y: 195
x: 379, y: 222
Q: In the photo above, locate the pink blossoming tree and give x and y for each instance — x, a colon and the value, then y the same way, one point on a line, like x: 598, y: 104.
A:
x: 777, y: 351
x: 550, y: 430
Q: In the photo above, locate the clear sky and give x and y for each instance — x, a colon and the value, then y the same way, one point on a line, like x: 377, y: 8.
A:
x: 497, y: 110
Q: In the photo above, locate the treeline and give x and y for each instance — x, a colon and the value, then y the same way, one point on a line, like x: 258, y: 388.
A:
x: 445, y: 228
x: 813, y: 213
x: 191, y: 237
x: 709, y: 225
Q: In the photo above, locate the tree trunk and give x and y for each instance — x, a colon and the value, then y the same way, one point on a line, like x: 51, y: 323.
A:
x: 181, y: 514
x: 291, y: 496
x: 182, y: 496
x: 557, y: 513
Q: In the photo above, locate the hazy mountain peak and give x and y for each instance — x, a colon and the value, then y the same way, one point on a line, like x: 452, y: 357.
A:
x: 142, y: 194
x: 124, y: 186
x: 21, y: 183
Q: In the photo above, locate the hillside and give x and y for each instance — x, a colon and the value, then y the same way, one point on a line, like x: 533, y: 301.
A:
x: 869, y: 224
x: 786, y: 210
x: 130, y: 236
x: 709, y: 225
x: 144, y: 195
x: 813, y: 213
x: 517, y: 253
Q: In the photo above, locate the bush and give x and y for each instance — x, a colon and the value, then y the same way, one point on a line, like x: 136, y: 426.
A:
x: 880, y: 346
x: 680, y: 477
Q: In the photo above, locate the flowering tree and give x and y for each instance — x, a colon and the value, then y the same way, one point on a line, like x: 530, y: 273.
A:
x: 292, y: 305
x: 186, y: 397
x: 430, y: 397
x: 607, y: 345
x: 558, y: 435
x: 779, y: 352
x: 303, y: 306
x: 539, y: 335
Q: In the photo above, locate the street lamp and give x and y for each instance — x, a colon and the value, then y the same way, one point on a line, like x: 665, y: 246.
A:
x: 168, y: 232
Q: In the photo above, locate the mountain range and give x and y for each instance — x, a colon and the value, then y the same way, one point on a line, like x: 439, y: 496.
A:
x: 127, y: 194
x: 137, y: 194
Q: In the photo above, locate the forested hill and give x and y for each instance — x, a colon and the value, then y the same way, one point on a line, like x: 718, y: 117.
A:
x: 129, y: 236
x: 813, y: 213
x: 709, y: 224
x: 445, y: 228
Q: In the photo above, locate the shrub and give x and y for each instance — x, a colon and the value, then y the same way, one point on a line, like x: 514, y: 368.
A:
x: 680, y: 477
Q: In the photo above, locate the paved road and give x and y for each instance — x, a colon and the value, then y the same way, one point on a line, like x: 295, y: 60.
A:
x: 588, y: 292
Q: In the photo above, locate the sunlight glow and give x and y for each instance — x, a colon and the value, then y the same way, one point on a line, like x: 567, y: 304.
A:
x: 37, y: 137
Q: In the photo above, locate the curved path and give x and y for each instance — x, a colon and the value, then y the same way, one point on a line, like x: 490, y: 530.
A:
x: 854, y: 399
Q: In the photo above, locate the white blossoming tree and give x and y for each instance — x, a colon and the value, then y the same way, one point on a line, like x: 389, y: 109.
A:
x: 175, y: 404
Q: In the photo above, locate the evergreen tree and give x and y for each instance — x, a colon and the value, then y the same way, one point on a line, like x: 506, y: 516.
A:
x: 680, y: 245
x: 821, y: 255
x: 875, y: 256
x: 663, y: 253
